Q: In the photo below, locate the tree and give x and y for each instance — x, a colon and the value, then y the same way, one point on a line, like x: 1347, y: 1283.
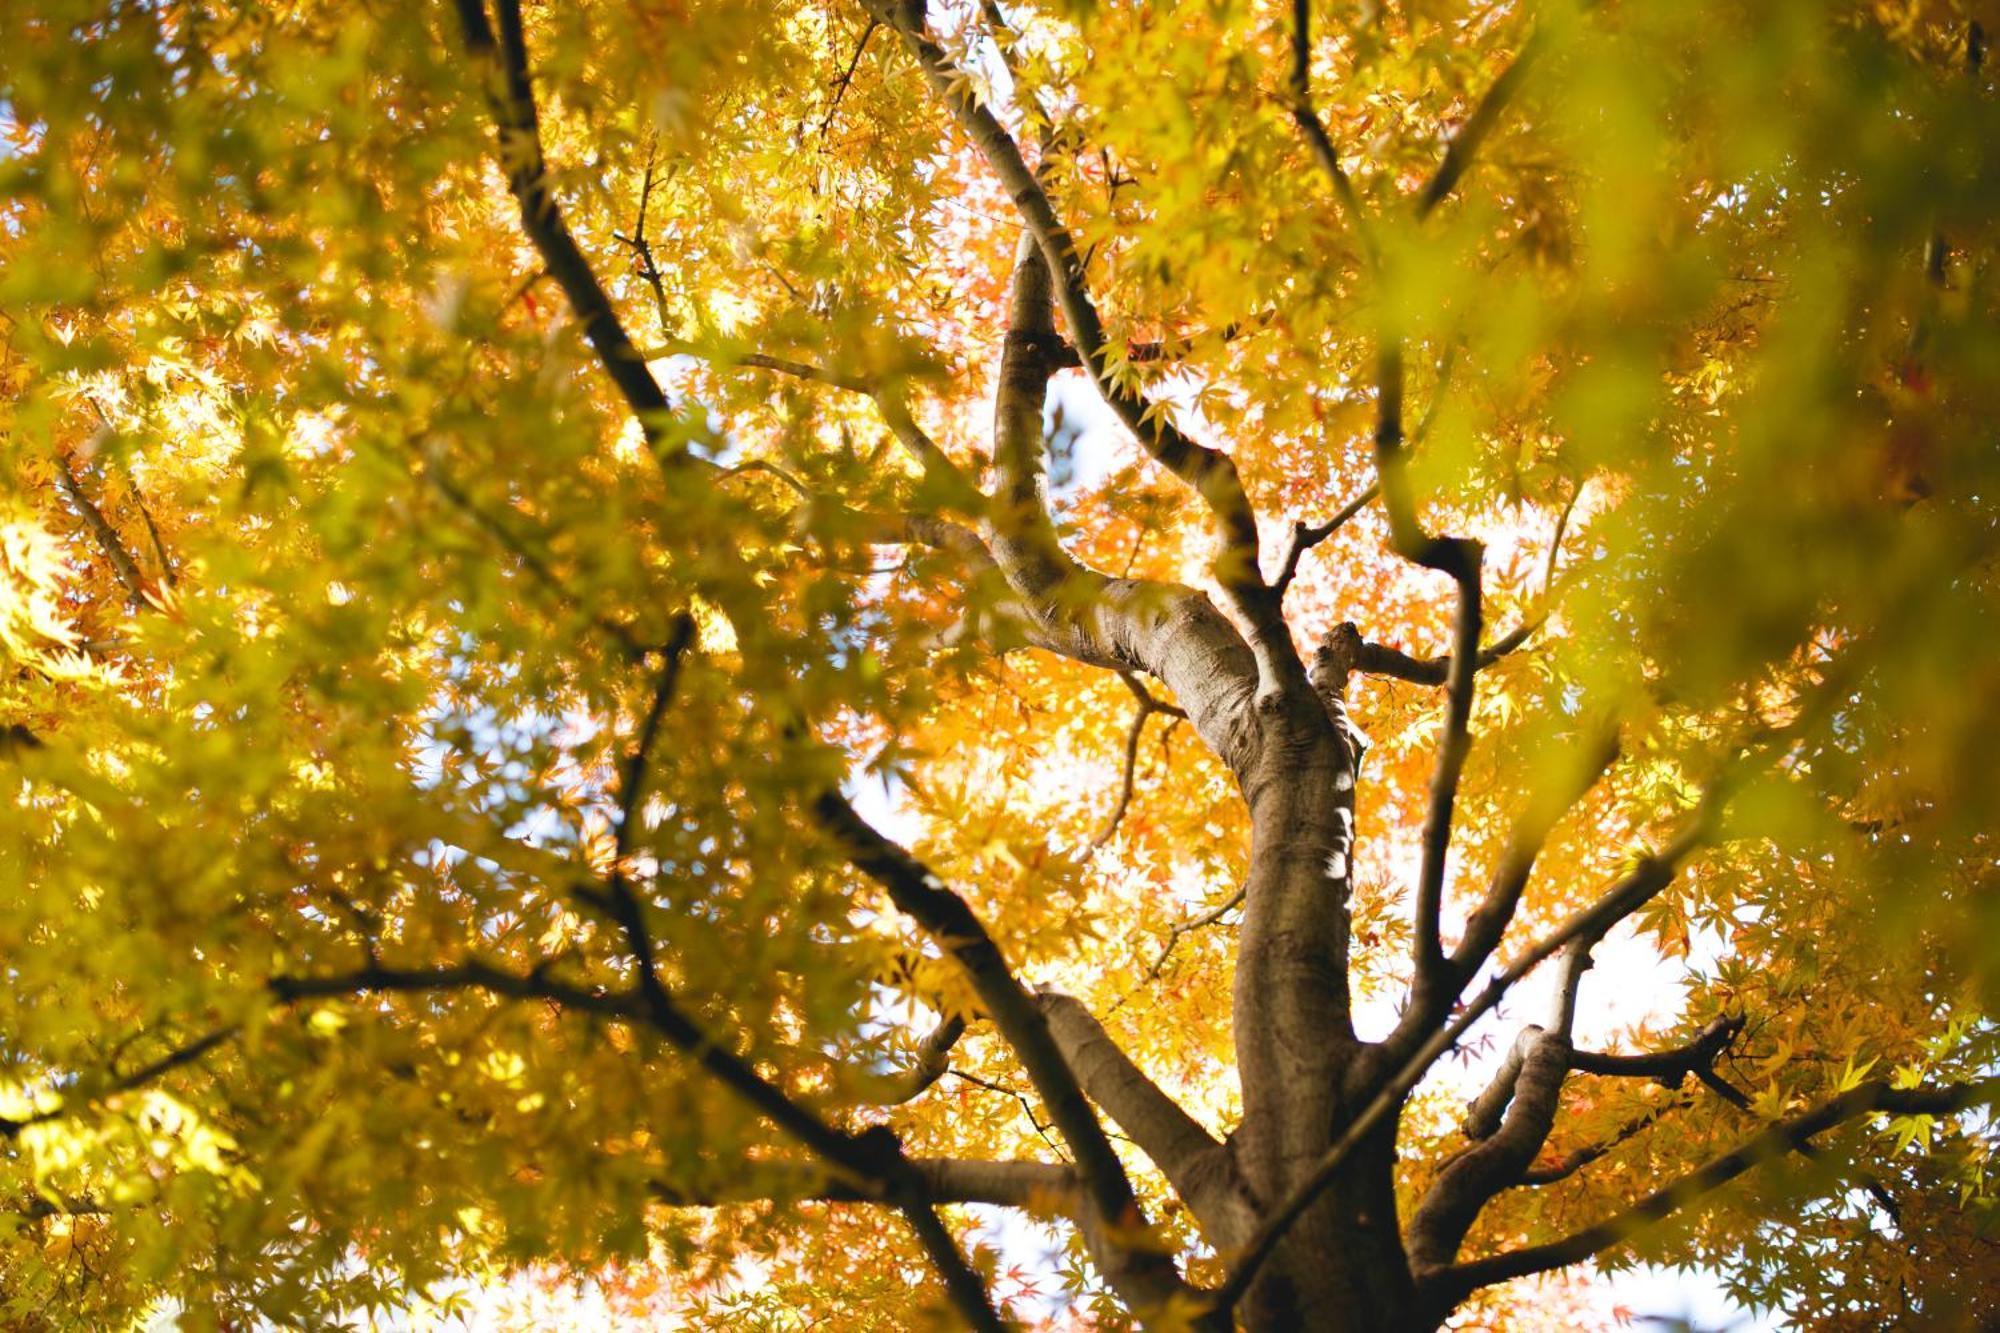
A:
x: 1323, y: 521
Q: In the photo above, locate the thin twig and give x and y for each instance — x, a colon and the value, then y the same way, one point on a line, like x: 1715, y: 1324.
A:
x: 1148, y: 705
x: 840, y: 85
x: 1027, y: 1107
x: 1175, y: 934
x: 1305, y: 536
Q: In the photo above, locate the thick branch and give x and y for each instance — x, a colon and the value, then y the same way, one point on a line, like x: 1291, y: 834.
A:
x: 1023, y: 534
x: 1032, y: 1185
x: 1446, y: 1288
x: 1432, y: 975
x: 1458, y: 557
x: 874, y: 1156
x: 961, y: 1282
x: 933, y: 1059
x: 1194, y: 1163
x: 1485, y: 1111
x: 1062, y: 606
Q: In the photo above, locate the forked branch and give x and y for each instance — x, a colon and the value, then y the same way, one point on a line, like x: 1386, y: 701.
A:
x: 1198, y: 1167
x: 1305, y: 536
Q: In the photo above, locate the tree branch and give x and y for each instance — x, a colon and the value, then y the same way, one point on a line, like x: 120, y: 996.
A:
x: 1485, y: 1111
x: 1148, y: 706
x: 1458, y: 557
x: 933, y: 1059
x: 1179, y: 931
x: 178, y: 1058
x: 531, y: 560
x: 1210, y: 472
x: 1195, y: 1164
x: 1488, y: 923
x: 1444, y: 1288
x: 1147, y: 1277
x: 107, y: 538
x: 1509, y: 1123
x: 841, y: 84
x: 1305, y: 536
x: 468, y: 976
x: 1497, y: 1158
x: 503, y: 62
x: 872, y: 1160
x: 1432, y: 975
x: 950, y: 481
x: 965, y: 1287
x: 863, y: 1155
x: 169, y: 575
x: 1590, y: 1152
x: 1374, y: 659
x: 1023, y: 534
x: 1464, y: 145
x: 1669, y: 1067
x: 1314, y: 130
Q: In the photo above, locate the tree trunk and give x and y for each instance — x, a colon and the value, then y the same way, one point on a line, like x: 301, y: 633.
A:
x: 1303, y: 1071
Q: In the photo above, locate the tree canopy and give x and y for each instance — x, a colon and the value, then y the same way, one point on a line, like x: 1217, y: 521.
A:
x: 749, y: 651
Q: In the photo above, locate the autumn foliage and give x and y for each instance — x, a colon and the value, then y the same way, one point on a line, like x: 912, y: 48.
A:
x: 880, y: 665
